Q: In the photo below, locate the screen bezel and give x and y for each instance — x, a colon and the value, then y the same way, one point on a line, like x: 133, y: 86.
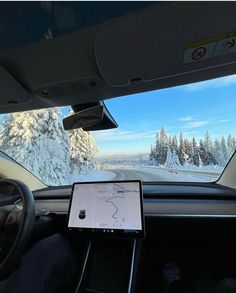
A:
x: 99, y: 232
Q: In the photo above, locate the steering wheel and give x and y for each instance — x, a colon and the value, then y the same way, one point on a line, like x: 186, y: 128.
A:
x: 16, y: 223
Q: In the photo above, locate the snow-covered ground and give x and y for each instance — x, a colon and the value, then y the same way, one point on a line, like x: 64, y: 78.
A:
x: 183, y: 174
x: 94, y: 175
x: 209, y: 169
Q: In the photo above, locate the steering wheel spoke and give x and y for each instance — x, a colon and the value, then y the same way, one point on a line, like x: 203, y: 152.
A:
x: 13, y: 218
x: 4, y: 212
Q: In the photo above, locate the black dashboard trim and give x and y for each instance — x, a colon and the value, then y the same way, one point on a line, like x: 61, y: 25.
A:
x: 173, y: 190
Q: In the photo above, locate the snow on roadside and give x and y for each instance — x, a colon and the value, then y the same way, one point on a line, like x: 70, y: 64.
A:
x: 93, y: 175
x: 211, y: 169
x: 164, y: 174
x: 191, y: 168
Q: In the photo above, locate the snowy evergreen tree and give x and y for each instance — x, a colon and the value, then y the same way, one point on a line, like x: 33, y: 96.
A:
x: 202, y: 151
x: 174, y: 144
x: 217, y: 152
x: 157, y: 150
x: 172, y: 159
x: 224, y: 152
x: 152, y: 154
x: 82, y: 151
x: 208, y: 143
x: 168, y: 162
x: 36, y: 139
x: 209, y: 152
x: 183, y: 157
x: 200, y: 161
x: 175, y: 159
x: 206, y: 156
x: 161, y: 146
x: 231, y: 145
x: 164, y: 142
x: 189, y: 152
x: 196, y: 155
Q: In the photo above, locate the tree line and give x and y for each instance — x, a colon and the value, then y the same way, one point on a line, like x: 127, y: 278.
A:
x: 37, y: 140
x: 172, y: 151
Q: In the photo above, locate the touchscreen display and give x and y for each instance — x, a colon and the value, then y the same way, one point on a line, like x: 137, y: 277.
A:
x: 107, y: 208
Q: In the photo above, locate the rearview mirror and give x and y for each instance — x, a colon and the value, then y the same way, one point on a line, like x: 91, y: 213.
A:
x: 84, y: 118
x: 90, y: 117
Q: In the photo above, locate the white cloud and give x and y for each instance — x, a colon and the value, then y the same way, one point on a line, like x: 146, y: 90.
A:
x: 195, y: 124
x: 224, y: 120
x: 187, y: 118
x: 122, y: 135
x: 213, y: 83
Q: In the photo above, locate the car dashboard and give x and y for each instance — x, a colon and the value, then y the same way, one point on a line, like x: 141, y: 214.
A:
x: 160, y: 200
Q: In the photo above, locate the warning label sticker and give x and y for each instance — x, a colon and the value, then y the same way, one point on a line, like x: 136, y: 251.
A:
x: 212, y: 47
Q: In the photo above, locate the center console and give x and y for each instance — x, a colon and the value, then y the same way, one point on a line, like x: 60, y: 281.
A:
x: 110, y: 216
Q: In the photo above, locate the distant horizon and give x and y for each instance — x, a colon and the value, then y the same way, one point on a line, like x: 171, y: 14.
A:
x: 103, y: 155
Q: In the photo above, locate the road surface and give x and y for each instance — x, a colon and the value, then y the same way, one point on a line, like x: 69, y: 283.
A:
x: 125, y: 174
x: 160, y: 174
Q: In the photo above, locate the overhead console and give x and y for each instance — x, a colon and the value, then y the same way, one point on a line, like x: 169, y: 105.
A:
x: 167, y: 40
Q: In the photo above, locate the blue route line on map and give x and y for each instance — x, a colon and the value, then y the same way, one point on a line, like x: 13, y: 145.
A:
x: 121, y: 194
x: 110, y: 201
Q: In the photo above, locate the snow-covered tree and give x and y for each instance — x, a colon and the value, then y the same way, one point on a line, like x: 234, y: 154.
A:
x: 217, y: 151
x: 159, y: 153
x: 196, y: 156
x: 231, y: 145
x: 207, y: 142
x: 210, y: 158
x: 174, y: 144
x: 156, y: 149
x: 224, y: 151
x: 183, y: 157
x: 82, y: 151
x: 206, y: 156
x: 152, y: 154
x: 189, y: 152
x: 172, y: 159
x: 36, y: 139
x: 164, y: 142
x: 200, y: 161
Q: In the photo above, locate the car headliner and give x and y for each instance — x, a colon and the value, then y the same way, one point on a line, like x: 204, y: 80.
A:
x: 24, y: 23
x: 56, y: 54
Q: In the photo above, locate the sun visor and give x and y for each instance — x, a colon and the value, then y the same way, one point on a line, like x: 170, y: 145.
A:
x: 12, y: 92
x: 166, y: 41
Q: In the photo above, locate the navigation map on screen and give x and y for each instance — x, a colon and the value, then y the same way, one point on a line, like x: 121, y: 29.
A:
x: 106, y: 207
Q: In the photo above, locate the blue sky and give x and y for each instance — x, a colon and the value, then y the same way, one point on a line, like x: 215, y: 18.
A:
x: 192, y: 109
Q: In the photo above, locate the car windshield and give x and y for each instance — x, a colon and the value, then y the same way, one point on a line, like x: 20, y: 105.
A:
x: 184, y: 133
